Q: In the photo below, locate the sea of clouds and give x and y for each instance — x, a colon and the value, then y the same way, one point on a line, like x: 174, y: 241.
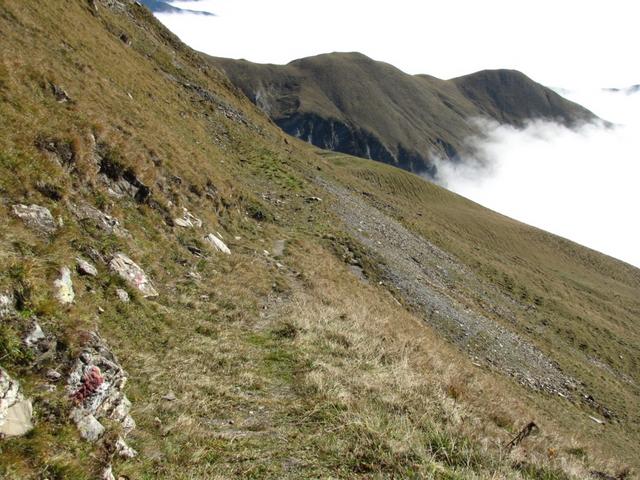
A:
x: 582, y: 184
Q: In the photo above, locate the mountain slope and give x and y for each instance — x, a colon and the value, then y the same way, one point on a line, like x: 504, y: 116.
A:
x: 187, y: 292
x: 350, y: 103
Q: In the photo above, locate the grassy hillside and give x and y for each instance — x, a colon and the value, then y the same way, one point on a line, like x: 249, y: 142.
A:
x: 294, y: 356
x: 350, y: 103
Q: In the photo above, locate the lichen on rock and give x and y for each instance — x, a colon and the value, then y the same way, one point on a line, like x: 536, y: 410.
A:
x: 96, y: 388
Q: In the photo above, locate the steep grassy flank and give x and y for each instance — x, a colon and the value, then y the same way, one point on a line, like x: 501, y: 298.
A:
x: 281, y: 362
x: 579, y: 306
x: 350, y: 103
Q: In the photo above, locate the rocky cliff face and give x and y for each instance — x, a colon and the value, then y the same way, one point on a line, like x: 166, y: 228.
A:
x: 350, y: 103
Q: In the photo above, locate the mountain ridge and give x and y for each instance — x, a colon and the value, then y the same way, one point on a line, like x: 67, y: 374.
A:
x: 350, y: 103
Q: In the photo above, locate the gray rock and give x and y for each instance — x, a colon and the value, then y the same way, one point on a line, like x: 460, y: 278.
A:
x: 100, y: 219
x: 128, y: 270
x: 36, y: 217
x: 15, y: 411
x: 64, y: 287
x: 122, y: 295
x: 34, y: 336
x: 85, y: 268
x: 7, y: 305
x: 217, y: 243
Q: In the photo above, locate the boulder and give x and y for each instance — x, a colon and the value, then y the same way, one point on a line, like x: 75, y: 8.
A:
x: 15, y: 411
x: 36, y: 217
x: 100, y: 219
x: 217, y: 243
x: 128, y: 270
x: 64, y: 287
x: 96, y: 388
x: 85, y: 268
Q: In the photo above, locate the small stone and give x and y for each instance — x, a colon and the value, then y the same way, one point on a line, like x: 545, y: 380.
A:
x: 188, y: 220
x: 217, y: 244
x: 36, y: 217
x: 89, y: 427
x: 85, y: 268
x: 64, y: 287
x: 7, y: 305
x: 122, y: 295
x: 60, y: 94
x: 124, y: 450
x: 169, y: 397
x: 313, y: 199
x: 107, y: 474
x: 278, y: 247
x: 35, y: 335
x: 132, y: 273
x: 53, y: 376
x: 101, y: 310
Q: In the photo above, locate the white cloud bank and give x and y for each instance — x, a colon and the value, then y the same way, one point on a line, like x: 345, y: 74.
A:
x: 581, y: 184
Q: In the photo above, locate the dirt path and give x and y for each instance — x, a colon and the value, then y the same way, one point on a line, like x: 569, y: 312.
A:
x: 433, y: 281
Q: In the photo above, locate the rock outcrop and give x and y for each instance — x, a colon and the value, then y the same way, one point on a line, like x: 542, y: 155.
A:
x: 109, y: 224
x: 96, y: 388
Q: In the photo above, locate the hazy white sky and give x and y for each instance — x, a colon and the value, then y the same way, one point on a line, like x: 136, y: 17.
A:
x: 583, y: 185
x: 557, y: 42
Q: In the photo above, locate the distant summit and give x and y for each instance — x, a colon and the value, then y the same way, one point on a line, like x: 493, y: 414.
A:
x: 349, y: 103
x: 160, y: 6
x: 628, y: 90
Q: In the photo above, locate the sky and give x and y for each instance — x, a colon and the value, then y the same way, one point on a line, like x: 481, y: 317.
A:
x: 557, y: 42
x: 581, y: 184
